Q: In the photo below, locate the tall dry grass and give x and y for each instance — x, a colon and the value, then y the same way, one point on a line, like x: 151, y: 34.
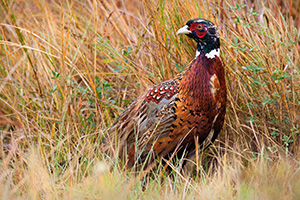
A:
x: 69, y: 68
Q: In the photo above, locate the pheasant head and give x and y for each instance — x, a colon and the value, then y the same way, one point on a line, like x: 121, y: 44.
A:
x: 204, y: 33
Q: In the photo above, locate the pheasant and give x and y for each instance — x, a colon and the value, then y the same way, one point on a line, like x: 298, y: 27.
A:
x: 172, y: 115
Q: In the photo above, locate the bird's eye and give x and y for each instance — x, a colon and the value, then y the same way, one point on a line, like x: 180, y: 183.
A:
x: 200, y: 27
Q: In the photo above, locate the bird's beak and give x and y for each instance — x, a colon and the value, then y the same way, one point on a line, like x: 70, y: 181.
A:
x: 184, y: 30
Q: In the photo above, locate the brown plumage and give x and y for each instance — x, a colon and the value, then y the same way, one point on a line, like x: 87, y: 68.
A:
x: 168, y: 117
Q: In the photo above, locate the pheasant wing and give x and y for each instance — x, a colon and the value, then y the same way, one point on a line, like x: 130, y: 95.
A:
x: 141, y: 124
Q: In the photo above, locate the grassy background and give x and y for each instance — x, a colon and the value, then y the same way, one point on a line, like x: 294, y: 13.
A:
x: 69, y: 68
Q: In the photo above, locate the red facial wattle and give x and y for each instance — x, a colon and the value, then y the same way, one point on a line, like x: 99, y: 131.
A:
x: 200, y: 33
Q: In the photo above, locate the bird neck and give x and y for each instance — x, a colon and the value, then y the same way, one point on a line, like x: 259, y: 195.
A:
x: 212, y: 54
x: 210, y: 49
